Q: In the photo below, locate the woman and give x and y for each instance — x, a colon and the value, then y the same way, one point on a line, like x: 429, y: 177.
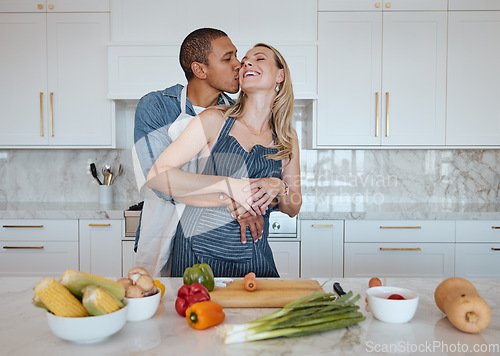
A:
x: 250, y: 152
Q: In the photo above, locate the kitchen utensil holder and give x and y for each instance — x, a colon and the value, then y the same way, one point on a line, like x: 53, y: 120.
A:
x: 105, y: 194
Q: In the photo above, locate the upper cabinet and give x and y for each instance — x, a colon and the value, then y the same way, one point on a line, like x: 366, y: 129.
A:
x: 382, y: 5
x: 53, y: 70
x: 54, y: 6
x: 382, y: 78
x: 144, y: 52
x: 473, y: 112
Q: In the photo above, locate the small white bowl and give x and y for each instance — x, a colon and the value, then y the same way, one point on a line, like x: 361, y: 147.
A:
x: 392, y: 310
x: 87, y: 329
x: 143, y: 308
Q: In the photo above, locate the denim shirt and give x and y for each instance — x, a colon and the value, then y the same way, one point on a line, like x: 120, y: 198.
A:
x: 155, y: 113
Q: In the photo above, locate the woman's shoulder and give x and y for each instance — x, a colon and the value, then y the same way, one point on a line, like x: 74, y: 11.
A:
x: 212, y: 115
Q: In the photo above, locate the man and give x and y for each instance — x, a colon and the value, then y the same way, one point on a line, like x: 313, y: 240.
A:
x: 208, y: 59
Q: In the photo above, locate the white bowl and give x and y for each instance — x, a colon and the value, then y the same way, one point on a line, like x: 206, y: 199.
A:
x: 143, y: 308
x: 87, y: 329
x: 392, y: 310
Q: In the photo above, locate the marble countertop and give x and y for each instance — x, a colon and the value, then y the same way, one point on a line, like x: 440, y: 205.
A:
x: 385, y: 211
x: 24, y: 330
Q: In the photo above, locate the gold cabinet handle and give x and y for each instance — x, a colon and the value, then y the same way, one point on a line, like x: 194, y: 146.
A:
x: 41, y: 114
x: 401, y: 249
x: 23, y: 226
x: 376, y: 114
x: 51, y: 116
x: 400, y: 227
x: 321, y: 226
x: 495, y: 227
x: 387, y: 116
x: 377, y: 5
x: 23, y: 247
x: 99, y: 225
x: 495, y: 249
x: 40, y: 6
x: 388, y: 5
x: 51, y: 6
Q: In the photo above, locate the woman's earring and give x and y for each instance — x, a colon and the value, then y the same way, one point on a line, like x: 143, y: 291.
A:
x: 277, y: 88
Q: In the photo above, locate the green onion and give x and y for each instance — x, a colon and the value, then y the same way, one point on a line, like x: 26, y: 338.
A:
x: 311, y: 314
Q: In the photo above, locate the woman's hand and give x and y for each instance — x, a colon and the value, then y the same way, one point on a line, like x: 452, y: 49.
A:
x: 263, y: 191
x: 241, y: 194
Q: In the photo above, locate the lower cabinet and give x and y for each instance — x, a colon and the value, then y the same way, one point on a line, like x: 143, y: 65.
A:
x: 399, y: 248
x: 477, y: 252
x: 286, y: 257
x: 322, y: 247
x: 38, y: 247
x: 100, y: 247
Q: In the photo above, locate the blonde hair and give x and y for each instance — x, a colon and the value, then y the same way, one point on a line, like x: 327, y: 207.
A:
x: 282, y: 110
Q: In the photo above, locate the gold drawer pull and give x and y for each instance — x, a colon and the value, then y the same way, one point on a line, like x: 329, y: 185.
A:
x: 23, y: 247
x: 94, y: 225
x: 23, y: 226
x: 315, y: 225
x: 496, y: 227
x: 376, y: 113
x: 400, y: 227
x: 400, y: 249
x: 495, y: 249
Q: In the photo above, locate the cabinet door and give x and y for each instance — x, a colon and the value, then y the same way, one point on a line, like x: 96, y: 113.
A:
x: 54, y: 6
x: 473, y: 114
x: 101, y: 247
x: 399, y: 259
x: 414, y: 78
x: 77, y: 72
x: 322, y: 247
x: 286, y: 257
x: 477, y: 260
x: 474, y: 5
x: 23, y: 73
x: 22, y: 6
x: 349, y: 80
x: 128, y: 257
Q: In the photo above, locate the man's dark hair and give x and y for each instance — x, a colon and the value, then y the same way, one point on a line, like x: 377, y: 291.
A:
x: 196, y: 47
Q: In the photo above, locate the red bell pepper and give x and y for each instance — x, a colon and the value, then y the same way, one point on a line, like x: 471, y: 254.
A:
x: 190, y: 294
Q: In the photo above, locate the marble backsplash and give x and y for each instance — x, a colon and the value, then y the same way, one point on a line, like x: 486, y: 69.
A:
x: 329, y: 177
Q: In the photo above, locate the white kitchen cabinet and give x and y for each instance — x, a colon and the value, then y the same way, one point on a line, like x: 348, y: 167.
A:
x: 54, y: 6
x: 477, y: 252
x: 382, y: 78
x: 381, y: 5
x: 38, y: 247
x: 322, y: 248
x: 473, y: 111
x: 474, y: 5
x: 162, y: 21
x: 399, y: 248
x: 53, y: 69
x: 101, y: 247
x: 128, y: 256
x: 286, y: 256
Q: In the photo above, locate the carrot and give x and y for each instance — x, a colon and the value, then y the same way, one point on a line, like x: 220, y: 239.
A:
x: 374, y: 282
x: 250, y: 282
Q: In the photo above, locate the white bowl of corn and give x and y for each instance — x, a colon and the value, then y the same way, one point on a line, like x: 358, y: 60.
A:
x: 82, y: 307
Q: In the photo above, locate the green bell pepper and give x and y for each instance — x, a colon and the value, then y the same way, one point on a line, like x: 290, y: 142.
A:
x: 199, y: 273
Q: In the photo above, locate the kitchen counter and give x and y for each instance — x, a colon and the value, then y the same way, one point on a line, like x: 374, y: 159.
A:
x: 24, y: 330
x: 311, y: 211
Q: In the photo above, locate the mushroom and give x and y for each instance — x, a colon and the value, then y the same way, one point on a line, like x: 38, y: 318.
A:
x: 147, y: 284
x: 136, y: 272
x: 134, y: 292
x: 125, y: 282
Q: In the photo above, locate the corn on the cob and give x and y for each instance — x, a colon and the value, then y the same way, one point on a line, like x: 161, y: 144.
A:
x: 38, y: 303
x: 98, y: 302
x: 58, y: 299
x: 76, y: 281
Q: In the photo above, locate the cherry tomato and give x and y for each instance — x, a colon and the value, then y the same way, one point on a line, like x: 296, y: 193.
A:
x: 396, y: 297
x: 374, y: 282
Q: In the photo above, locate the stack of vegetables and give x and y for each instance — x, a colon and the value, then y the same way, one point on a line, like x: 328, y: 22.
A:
x: 314, y: 313
x: 79, y: 294
x: 193, y: 298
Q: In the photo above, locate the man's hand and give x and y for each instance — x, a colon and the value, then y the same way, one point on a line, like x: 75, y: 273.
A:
x: 255, y: 223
